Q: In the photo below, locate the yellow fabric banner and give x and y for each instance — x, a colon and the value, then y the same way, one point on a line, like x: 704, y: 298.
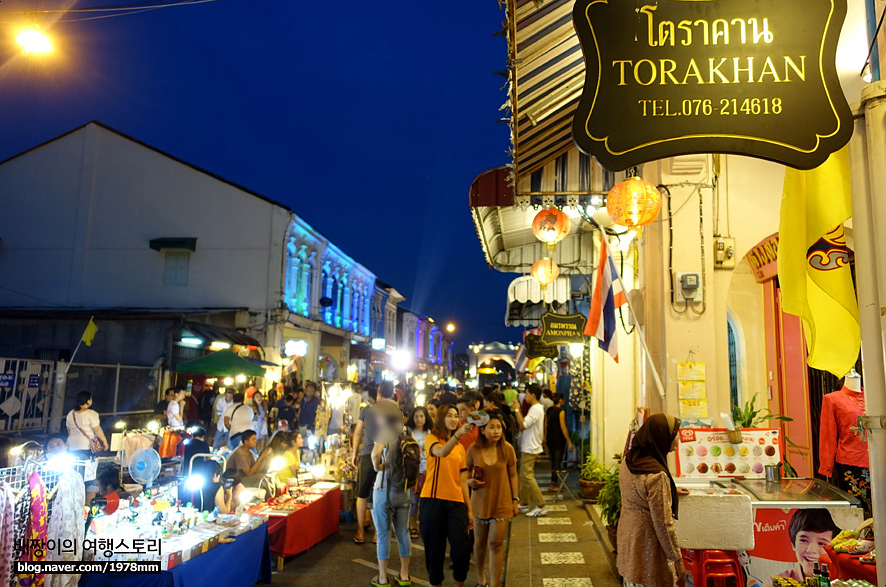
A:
x: 89, y: 333
x: 813, y: 262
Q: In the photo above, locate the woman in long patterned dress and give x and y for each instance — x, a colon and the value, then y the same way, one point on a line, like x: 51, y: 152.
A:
x: 648, y: 553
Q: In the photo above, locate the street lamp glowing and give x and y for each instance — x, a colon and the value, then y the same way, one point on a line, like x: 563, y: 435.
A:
x: 33, y: 41
x: 450, y: 327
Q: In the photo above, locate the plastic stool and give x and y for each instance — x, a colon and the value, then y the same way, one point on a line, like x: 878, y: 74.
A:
x: 716, y: 565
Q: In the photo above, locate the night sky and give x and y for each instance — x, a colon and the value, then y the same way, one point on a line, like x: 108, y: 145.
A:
x: 369, y: 119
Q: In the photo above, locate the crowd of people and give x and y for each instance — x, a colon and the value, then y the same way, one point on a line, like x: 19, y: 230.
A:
x: 468, y: 488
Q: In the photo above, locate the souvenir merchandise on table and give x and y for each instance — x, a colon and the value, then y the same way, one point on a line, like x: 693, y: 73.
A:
x: 297, y: 497
x: 707, y: 452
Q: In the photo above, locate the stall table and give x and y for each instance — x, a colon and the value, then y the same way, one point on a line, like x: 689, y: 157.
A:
x: 848, y: 566
x: 241, y: 563
x: 293, y: 532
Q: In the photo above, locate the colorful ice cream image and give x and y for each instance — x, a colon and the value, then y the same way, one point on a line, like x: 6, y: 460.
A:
x: 729, y: 451
x: 744, y: 468
x: 687, y: 450
x: 758, y: 451
x: 716, y: 468
x: 701, y: 451
x: 743, y: 451
x: 715, y: 451
x: 703, y: 468
x: 758, y: 467
x: 729, y: 468
x: 770, y: 451
x: 688, y: 468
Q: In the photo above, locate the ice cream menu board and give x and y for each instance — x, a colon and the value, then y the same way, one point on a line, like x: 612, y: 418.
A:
x: 707, y: 452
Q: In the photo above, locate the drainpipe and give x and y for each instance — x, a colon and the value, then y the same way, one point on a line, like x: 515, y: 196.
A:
x: 867, y: 158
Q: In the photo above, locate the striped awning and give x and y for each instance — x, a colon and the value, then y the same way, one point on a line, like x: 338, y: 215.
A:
x: 547, y: 76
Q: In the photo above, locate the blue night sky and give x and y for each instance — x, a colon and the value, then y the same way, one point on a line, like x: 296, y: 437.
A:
x: 369, y: 119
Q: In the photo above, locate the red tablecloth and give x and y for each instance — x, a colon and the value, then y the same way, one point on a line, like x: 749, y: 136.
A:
x: 302, y: 529
x: 847, y: 566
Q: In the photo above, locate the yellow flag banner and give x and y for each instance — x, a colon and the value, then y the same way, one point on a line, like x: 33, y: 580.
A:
x: 813, y: 262
x: 89, y: 333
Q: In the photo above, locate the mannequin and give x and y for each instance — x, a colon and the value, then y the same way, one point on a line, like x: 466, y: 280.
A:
x: 843, y: 453
x: 852, y: 381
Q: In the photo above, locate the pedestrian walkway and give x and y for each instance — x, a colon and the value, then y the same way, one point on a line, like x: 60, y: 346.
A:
x: 561, y: 549
x: 558, y: 550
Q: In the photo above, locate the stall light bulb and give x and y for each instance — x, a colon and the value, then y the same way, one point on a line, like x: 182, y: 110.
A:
x: 421, y: 399
x: 119, y: 424
x: 277, y: 463
x: 61, y: 462
x: 318, y: 471
x: 228, y: 381
x: 575, y: 349
x: 195, y: 483
x: 153, y: 425
x: 241, y: 378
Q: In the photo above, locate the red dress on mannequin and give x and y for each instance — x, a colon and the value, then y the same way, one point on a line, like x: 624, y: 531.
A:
x: 842, y: 453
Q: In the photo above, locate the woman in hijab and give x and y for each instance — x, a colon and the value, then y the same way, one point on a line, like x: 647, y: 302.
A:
x: 648, y: 553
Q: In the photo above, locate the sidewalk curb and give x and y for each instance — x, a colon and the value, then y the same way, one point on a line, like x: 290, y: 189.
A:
x: 603, y: 537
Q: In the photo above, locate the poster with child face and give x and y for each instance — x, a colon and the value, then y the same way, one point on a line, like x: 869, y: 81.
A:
x: 787, y: 543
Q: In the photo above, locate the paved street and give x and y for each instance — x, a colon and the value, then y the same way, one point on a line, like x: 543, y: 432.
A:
x: 560, y: 550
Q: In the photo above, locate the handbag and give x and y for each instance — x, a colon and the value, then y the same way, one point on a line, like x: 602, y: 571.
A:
x: 95, y: 443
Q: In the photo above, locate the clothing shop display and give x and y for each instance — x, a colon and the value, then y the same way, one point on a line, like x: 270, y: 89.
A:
x: 20, y: 512
x: 7, y: 532
x: 842, y: 451
x: 37, y: 528
x: 66, y: 524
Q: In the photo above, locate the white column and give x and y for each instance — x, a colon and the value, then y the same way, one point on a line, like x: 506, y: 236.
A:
x: 868, y: 166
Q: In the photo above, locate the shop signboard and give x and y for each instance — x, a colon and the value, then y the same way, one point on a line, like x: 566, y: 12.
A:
x: 763, y: 259
x: 707, y: 452
x: 560, y: 329
x: 671, y: 77
x: 536, y: 348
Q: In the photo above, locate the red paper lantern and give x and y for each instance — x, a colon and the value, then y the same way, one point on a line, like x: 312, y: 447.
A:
x: 550, y: 226
x: 544, y: 271
x: 633, y: 202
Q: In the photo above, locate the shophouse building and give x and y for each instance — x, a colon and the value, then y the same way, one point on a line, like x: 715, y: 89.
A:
x: 719, y: 223
x: 171, y: 262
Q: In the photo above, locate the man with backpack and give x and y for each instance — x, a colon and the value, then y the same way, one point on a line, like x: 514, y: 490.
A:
x: 396, y: 458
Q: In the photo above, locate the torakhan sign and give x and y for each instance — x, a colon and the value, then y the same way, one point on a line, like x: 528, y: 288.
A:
x: 752, y: 77
x: 559, y: 329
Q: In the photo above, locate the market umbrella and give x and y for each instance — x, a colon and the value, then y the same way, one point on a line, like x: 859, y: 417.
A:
x: 225, y: 363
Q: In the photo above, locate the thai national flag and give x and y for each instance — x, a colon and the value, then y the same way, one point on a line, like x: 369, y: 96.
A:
x: 520, y: 360
x: 608, y: 295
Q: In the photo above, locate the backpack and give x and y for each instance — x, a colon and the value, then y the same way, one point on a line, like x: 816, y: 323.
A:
x: 405, y: 460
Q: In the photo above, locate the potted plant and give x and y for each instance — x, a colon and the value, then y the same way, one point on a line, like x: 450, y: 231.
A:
x: 593, y: 475
x: 750, y: 416
x: 609, y: 502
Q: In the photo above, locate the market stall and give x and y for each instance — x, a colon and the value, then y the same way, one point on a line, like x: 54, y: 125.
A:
x: 300, y: 518
x: 779, y: 527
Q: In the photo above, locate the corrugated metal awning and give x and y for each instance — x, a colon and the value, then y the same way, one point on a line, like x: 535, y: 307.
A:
x: 547, y: 76
x: 210, y: 332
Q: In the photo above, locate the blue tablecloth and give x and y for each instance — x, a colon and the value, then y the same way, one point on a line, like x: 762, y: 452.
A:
x: 241, y: 563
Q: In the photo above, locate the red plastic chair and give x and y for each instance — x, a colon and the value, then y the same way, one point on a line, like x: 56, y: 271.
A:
x: 714, y: 565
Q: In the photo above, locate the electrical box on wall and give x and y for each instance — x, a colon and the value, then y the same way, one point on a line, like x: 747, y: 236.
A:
x: 687, y: 287
x: 724, y: 252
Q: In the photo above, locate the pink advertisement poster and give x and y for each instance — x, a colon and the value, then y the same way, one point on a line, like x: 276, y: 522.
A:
x: 707, y: 453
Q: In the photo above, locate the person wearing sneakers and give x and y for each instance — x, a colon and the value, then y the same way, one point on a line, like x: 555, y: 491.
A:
x: 532, y: 424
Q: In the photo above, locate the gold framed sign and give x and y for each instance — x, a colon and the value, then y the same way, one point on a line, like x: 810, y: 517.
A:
x: 673, y: 77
